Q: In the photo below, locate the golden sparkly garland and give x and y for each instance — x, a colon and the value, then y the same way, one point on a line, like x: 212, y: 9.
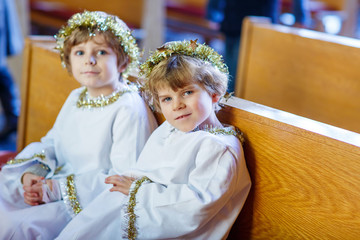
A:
x: 101, y: 101
x: 226, y: 131
x: 71, y: 192
x: 21, y: 160
x: 189, y: 48
x: 102, y: 22
x: 131, y: 229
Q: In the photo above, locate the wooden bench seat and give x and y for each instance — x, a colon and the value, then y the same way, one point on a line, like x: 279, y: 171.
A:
x: 305, y: 174
x: 308, y: 73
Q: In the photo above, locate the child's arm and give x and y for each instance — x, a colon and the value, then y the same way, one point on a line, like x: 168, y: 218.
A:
x: 120, y: 183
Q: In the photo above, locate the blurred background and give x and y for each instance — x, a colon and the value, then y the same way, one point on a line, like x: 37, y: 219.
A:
x: 215, y: 22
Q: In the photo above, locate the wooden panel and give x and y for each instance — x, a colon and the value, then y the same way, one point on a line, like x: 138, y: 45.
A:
x: 129, y: 11
x: 306, y: 182
x: 308, y: 73
x: 45, y: 86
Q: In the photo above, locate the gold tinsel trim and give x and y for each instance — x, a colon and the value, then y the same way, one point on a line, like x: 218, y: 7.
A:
x: 189, y: 48
x: 21, y: 160
x: 101, y: 101
x: 226, y: 131
x: 101, y: 22
x: 58, y: 169
x: 131, y: 228
x: 71, y: 193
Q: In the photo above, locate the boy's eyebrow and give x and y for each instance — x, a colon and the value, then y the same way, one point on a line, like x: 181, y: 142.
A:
x: 164, y: 95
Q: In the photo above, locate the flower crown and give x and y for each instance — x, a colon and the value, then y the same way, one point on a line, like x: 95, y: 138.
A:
x: 102, y: 22
x: 189, y: 48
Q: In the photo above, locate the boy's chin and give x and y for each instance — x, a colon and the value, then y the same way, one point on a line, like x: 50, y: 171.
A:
x: 188, y: 129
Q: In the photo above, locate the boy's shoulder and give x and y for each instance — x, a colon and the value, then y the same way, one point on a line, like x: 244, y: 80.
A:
x: 220, y: 137
x: 226, y: 137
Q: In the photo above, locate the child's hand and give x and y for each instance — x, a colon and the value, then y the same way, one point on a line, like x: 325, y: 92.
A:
x: 32, y: 185
x: 120, y: 183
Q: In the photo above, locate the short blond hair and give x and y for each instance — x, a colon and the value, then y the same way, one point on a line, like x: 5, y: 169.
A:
x: 179, y: 71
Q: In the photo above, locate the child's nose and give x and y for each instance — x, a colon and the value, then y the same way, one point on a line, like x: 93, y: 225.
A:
x: 177, y: 105
x: 91, y: 60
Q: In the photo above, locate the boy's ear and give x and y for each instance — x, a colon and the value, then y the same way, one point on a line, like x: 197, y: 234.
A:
x: 122, y: 67
x: 215, y: 98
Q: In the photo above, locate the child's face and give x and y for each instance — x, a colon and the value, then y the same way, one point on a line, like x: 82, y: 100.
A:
x: 188, y: 107
x: 94, y: 65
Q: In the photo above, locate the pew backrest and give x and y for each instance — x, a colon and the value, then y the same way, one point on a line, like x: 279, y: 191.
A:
x: 44, y: 88
x: 305, y: 175
x: 308, y: 73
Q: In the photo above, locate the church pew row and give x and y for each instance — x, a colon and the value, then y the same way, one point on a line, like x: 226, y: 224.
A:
x: 305, y: 174
x: 308, y: 73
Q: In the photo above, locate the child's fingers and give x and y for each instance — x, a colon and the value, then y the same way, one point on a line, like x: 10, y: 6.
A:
x: 30, y: 179
x: 121, y: 184
x: 121, y: 189
x: 112, y: 179
x: 31, y: 195
x: 32, y: 199
x: 35, y: 188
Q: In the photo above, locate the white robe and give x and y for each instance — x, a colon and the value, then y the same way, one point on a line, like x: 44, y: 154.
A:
x: 199, y: 184
x: 101, y: 141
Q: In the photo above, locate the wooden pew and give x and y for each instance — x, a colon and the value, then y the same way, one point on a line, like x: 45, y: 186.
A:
x: 308, y: 73
x: 57, y: 12
x: 45, y: 85
x: 305, y: 174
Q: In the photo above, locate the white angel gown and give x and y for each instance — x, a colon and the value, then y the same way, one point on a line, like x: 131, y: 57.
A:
x: 195, y: 186
x: 98, y: 140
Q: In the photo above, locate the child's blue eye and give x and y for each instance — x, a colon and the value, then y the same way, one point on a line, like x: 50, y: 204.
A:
x: 79, y: 53
x: 167, y: 99
x: 102, y: 52
x: 188, y: 93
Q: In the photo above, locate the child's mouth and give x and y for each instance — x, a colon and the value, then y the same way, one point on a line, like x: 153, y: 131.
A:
x: 183, y: 116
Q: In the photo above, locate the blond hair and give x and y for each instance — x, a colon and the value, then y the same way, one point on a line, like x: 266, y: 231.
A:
x: 179, y: 71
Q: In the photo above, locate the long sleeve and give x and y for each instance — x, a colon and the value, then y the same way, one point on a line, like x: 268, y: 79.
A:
x: 42, y: 153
